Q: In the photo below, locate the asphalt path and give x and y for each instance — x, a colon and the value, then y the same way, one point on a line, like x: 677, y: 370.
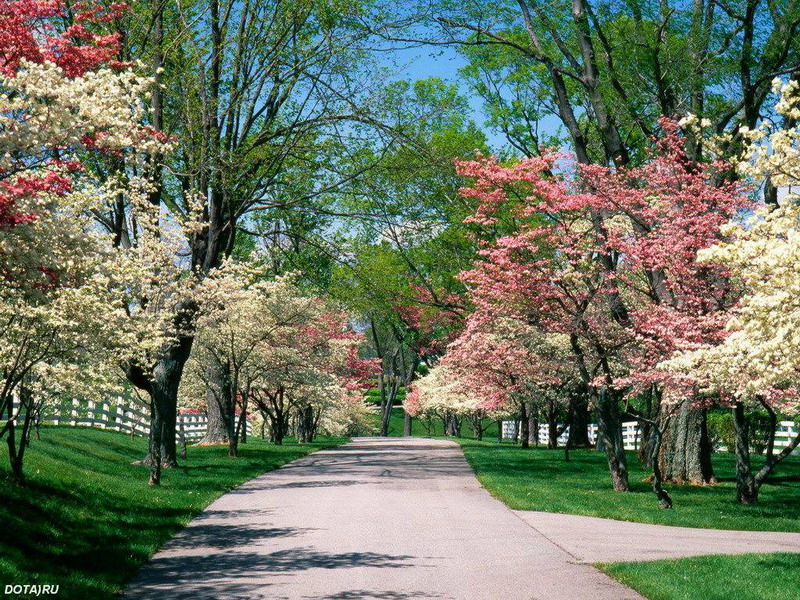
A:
x: 390, y: 518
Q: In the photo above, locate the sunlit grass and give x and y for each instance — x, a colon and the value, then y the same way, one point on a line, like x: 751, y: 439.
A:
x: 745, y: 577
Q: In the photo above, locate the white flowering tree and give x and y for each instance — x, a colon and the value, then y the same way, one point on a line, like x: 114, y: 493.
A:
x: 757, y: 365
x: 63, y: 300
x: 287, y: 352
x: 442, y: 395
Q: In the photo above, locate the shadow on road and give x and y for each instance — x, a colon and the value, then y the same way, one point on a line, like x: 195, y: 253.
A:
x: 228, y: 536
x: 224, y: 575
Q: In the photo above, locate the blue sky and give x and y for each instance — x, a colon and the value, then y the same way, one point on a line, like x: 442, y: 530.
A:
x: 443, y: 62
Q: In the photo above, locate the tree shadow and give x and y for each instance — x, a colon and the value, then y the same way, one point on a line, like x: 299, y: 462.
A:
x: 377, y: 595
x: 228, y: 536
x: 221, y: 575
x: 208, y: 515
x: 267, y: 484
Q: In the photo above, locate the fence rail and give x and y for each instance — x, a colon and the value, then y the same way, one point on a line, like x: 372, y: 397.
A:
x: 122, y: 415
x: 784, y: 434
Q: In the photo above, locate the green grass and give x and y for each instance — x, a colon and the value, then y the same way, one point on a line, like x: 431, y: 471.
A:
x: 745, y: 577
x: 539, y: 479
x: 87, y: 519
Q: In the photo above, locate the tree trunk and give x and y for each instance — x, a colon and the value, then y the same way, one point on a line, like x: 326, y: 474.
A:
x: 477, y: 427
x: 164, y: 398
x: 646, y: 445
x: 579, y: 429
x: 242, y: 425
x: 305, y: 425
x: 154, y: 457
x: 533, y: 428
x: 552, y: 428
x: 525, y: 433
x: 218, y: 408
x: 452, y: 425
x: 499, y: 431
x: 746, y: 489
x: 17, y: 452
x: 407, y: 424
x: 277, y: 429
x: 685, y: 453
x: 663, y: 497
x: 386, y: 409
x: 609, y: 435
x: 233, y: 446
x: 182, y: 436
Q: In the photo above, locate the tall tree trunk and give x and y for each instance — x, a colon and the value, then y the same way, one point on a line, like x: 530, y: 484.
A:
x: 609, y: 434
x: 552, y: 427
x: 154, y: 456
x: 387, y: 405
x: 164, y: 399
x: 16, y: 452
x: 242, y: 425
x: 277, y: 427
x: 452, y: 425
x: 305, y: 425
x: 663, y: 497
x: 685, y: 453
x: 477, y: 426
x: 233, y: 445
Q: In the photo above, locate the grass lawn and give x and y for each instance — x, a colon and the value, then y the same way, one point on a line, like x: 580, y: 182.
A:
x: 87, y: 519
x: 746, y: 577
x: 539, y: 479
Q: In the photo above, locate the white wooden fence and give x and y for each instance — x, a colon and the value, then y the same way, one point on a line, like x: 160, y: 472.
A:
x: 784, y: 434
x: 123, y: 415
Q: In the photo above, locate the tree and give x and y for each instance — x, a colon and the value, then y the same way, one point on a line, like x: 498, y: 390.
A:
x: 609, y: 71
x: 256, y: 93
x: 286, y: 351
x: 624, y: 316
x: 597, y: 77
x: 509, y: 366
x: 440, y: 394
x: 754, y: 366
x: 399, y: 259
x: 61, y: 299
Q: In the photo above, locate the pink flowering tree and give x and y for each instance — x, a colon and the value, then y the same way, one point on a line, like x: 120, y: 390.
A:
x: 606, y: 257
x: 512, y: 368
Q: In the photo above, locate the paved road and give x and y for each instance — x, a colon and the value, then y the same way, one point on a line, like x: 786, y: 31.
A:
x: 592, y: 540
x: 388, y: 519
